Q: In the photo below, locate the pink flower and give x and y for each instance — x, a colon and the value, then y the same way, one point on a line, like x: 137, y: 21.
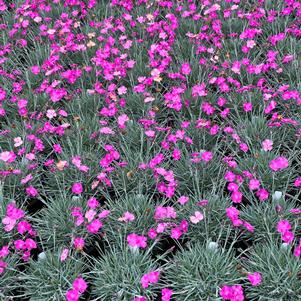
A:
x: 3, y: 265
x: 279, y: 164
x: 80, y: 285
x: 4, y: 251
x: 165, y: 212
x: 255, y: 278
x: 244, y: 147
x: 287, y: 236
x: 18, y: 141
x: 7, y: 156
x: 297, y: 182
x: 199, y: 90
x: 232, y: 293
x: 57, y: 94
x: 176, y: 154
x: 92, y: 203
x: 104, y: 214
x: 90, y: 214
x: 183, y: 199
x: 283, y: 226
x: 9, y: 223
x: 144, y: 281
x: 35, y: 70
x: 152, y: 234
x: 64, y: 254
x: 23, y: 227
x: 121, y: 90
x: 232, y: 212
x: 94, y: 226
x: 236, y: 196
x: 72, y: 295
x: 197, y: 217
x: 185, y: 69
x: 247, y: 106
x: 166, y: 294
x: 297, y: 251
x: 226, y: 292
x: 254, y: 184
x: 51, y: 114
x: 206, y: 156
x: 176, y: 233
x: 77, y: 188
x: 19, y: 244
x: 152, y: 277
x: 262, y: 194
x: 248, y: 226
x: 127, y: 217
x: 137, y: 241
x: 30, y: 244
x: 267, y: 145
x: 121, y: 120
x: 79, y: 243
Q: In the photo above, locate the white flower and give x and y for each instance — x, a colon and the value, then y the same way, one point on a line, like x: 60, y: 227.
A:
x: 213, y: 245
x: 42, y: 256
x: 277, y: 195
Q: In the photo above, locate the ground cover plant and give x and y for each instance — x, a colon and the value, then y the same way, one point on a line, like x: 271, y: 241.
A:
x: 150, y: 150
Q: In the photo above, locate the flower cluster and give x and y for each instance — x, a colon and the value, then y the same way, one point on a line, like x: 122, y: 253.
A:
x: 152, y: 129
x: 79, y: 286
x: 232, y: 293
x: 284, y: 227
x: 151, y: 277
x: 15, y: 219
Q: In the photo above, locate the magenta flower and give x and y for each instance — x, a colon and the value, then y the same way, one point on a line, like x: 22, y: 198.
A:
x: 137, y: 241
x: 247, y: 106
x: 185, y: 69
x: 152, y: 277
x: 94, y: 226
x: 77, y: 188
x: 254, y: 184
x: 31, y: 191
x: 287, y: 237
x: 3, y: 266
x: 80, y: 285
x: 297, y: 182
x: 232, y: 293
x: 72, y: 295
x: 262, y: 194
x: 255, y: 278
x: 279, y: 164
x: 206, y: 156
x: 79, y: 243
x: 283, y: 226
x: 166, y: 294
x: 236, y: 196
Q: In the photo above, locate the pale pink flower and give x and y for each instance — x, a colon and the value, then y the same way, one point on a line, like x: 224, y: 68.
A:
x: 267, y: 145
x: 197, y: 217
x: 127, y: 217
x: 18, y: 141
x: 64, y: 254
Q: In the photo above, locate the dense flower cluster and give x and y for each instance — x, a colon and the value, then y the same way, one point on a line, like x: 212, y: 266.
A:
x: 136, y: 132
